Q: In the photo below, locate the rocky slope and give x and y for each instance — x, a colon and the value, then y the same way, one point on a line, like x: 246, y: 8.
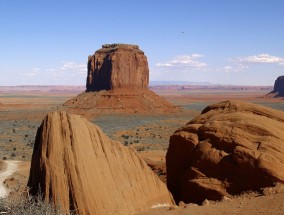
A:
x: 117, y: 66
x: 125, y: 101
x: 231, y: 147
x: 76, y: 165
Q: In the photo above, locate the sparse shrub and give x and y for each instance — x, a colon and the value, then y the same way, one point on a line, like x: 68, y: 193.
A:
x: 14, y: 148
x: 25, y: 206
x: 125, y: 136
x: 142, y: 148
x: 4, y: 158
x: 13, y: 155
x: 125, y: 142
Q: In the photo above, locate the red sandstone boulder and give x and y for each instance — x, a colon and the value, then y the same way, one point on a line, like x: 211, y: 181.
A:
x: 231, y: 147
x: 117, y: 66
x: 77, y: 166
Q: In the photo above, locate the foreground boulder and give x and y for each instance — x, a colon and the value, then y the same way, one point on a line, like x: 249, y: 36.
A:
x: 231, y: 147
x: 116, y: 66
x: 75, y: 165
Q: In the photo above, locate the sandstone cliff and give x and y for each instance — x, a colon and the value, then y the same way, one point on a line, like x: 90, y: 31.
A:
x: 77, y: 166
x: 231, y: 147
x: 117, y: 66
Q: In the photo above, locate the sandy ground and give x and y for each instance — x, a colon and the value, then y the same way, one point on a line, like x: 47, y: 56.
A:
x: 20, y: 116
x: 267, y: 204
x: 271, y: 202
x: 10, y: 167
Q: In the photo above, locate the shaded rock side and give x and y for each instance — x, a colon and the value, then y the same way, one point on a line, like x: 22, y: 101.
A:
x: 279, y: 86
x: 117, y: 66
x: 231, y: 147
x: 76, y: 165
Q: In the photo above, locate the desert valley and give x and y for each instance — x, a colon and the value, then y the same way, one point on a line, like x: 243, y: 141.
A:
x: 122, y: 146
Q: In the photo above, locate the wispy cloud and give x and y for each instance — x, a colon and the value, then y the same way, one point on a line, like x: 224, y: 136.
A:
x: 242, y: 63
x: 184, y: 61
x: 73, y: 66
x: 69, y: 71
x: 262, y: 59
x: 32, y: 72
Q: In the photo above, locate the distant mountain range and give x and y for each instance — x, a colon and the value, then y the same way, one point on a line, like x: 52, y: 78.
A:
x: 162, y: 83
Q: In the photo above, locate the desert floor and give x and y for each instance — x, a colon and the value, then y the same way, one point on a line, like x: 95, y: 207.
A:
x: 21, y: 113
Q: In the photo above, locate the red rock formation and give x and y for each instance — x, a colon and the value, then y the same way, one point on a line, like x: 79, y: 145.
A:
x: 231, y: 147
x: 77, y: 166
x: 117, y: 82
x: 117, y: 66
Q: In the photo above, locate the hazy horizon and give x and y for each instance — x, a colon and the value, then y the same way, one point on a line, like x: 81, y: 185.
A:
x: 222, y: 42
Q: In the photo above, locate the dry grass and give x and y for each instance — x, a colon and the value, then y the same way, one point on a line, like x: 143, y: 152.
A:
x: 26, y: 206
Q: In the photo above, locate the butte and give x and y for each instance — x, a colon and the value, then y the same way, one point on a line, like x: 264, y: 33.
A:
x: 278, y: 90
x: 117, y: 82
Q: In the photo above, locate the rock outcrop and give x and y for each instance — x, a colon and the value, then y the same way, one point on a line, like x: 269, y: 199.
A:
x: 231, y: 147
x: 117, y: 82
x: 116, y: 66
x: 279, y: 86
x: 77, y: 166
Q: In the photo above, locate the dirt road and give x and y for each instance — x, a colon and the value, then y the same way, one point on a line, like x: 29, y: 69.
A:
x: 9, y: 168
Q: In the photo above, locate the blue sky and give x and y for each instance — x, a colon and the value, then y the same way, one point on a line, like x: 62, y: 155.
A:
x: 47, y: 42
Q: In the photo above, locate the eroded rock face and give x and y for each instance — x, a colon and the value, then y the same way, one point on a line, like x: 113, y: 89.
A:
x: 279, y: 86
x: 231, y: 147
x: 117, y: 66
x: 77, y: 166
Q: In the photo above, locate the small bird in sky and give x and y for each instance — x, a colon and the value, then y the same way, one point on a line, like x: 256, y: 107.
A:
x: 182, y: 32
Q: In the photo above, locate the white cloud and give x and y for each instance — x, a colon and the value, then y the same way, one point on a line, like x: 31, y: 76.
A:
x: 73, y: 66
x: 184, y: 61
x: 243, y: 63
x: 262, y: 59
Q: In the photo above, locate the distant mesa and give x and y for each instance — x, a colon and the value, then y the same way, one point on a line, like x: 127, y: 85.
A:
x: 76, y: 165
x: 231, y: 147
x: 117, y: 82
x: 279, y: 86
x: 278, y: 90
x: 116, y: 66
